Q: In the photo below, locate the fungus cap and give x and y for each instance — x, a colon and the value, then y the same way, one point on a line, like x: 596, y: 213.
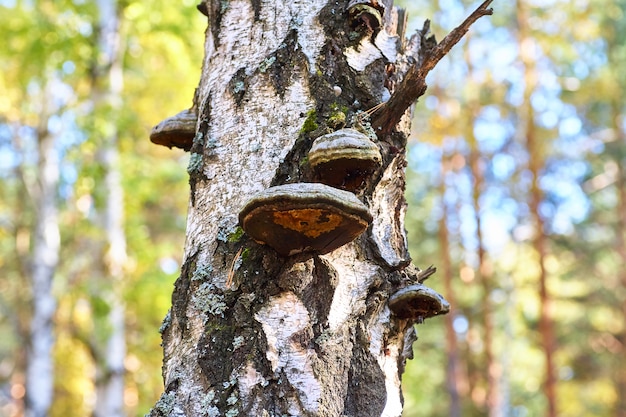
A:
x: 177, y: 131
x: 303, y: 217
x: 344, y: 158
x: 417, y: 302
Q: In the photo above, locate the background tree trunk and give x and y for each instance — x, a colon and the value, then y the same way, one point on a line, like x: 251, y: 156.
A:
x: 253, y: 333
x: 620, y: 247
x: 45, y: 258
x: 484, y: 269
x: 453, y: 369
x: 540, y: 240
x: 110, y: 351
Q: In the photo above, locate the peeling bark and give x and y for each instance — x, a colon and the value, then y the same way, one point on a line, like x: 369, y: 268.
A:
x: 251, y: 332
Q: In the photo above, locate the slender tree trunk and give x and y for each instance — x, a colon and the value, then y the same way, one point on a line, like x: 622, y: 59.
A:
x: 452, y: 348
x: 620, y: 368
x: 536, y: 163
x: 45, y: 258
x: 110, y: 368
x: 484, y: 277
x: 484, y: 268
x: 251, y: 332
x: 545, y: 300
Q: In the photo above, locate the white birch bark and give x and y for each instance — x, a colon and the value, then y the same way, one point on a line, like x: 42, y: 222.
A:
x: 110, y: 367
x: 45, y: 258
x: 306, y: 335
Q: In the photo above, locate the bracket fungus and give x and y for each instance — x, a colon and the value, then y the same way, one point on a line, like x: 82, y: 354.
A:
x: 369, y: 12
x: 304, y: 217
x: 417, y: 302
x: 344, y: 158
x: 177, y: 131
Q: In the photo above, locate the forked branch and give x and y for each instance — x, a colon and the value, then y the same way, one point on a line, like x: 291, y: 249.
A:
x: 414, y: 85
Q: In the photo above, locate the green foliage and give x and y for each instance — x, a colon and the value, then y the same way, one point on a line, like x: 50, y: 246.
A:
x: 474, y: 113
x: 46, y: 74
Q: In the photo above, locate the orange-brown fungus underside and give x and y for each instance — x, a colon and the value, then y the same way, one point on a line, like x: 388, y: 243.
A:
x: 309, y: 222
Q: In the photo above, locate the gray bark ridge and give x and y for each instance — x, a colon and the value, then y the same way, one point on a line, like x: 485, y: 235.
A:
x: 253, y: 333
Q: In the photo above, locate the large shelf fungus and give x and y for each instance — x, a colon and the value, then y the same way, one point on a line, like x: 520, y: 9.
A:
x: 344, y: 159
x: 417, y: 302
x: 177, y: 131
x: 304, y: 217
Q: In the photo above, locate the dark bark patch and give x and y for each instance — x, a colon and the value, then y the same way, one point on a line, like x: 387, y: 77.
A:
x: 302, y: 338
x: 367, y: 395
x: 363, y: 90
x: 410, y: 337
x: 294, y: 167
x: 213, y: 346
x: 256, y: 6
x: 238, y: 85
x: 318, y: 295
x: 369, y: 84
x: 282, y: 64
x: 181, y: 294
x: 216, y: 10
x: 258, y: 264
x: 195, y: 169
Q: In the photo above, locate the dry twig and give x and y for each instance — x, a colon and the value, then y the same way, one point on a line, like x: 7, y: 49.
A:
x: 231, y: 271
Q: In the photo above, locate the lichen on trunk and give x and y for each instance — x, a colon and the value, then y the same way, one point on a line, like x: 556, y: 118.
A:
x: 254, y: 333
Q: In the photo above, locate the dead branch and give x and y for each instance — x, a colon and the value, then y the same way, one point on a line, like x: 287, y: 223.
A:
x: 414, y: 85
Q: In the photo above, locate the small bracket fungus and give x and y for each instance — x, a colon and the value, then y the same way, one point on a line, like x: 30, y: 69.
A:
x: 304, y: 217
x: 344, y: 159
x: 417, y: 302
x: 369, y: 12
x: 177, y: 131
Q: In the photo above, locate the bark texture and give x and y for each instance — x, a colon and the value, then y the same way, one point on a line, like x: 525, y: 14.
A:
x: 252, y: 333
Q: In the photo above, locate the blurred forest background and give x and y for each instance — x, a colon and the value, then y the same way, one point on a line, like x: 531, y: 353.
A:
x: 516, y: 192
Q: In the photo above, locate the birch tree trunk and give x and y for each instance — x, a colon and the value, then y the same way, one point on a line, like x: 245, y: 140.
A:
x: 45, y: 258
x: 254, y: 333
x: 111, y: 353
